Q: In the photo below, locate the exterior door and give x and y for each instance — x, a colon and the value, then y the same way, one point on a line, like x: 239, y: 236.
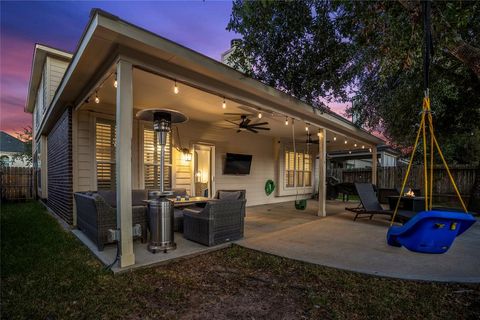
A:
x: 203, y: 170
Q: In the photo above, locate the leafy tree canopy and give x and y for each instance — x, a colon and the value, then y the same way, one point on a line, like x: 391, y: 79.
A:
x: 370, y: 52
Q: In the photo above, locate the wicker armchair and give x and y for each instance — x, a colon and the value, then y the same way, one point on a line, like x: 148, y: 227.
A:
x: 96, y: 215
x: 220, y: 221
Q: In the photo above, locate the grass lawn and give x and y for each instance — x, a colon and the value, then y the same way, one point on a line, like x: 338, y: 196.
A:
x: 47, y: 274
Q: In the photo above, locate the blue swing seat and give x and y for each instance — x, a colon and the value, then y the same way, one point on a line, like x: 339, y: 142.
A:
x: 430, y: 231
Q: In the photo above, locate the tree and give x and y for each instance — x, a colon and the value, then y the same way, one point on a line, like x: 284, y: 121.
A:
x: 26, y: 136
x: 370, y: 52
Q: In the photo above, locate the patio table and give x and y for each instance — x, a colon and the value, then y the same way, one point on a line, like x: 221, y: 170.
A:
x: 415, y: 204
x: 192, y: 200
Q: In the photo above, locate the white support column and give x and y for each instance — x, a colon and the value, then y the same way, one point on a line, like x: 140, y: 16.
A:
x: 322, y: 172
x: 124, y: 127
x: 374, y: 165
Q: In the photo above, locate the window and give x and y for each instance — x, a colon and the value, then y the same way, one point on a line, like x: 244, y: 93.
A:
x: 151, y: 161
x: 302, y: 163
x: 105, y: 153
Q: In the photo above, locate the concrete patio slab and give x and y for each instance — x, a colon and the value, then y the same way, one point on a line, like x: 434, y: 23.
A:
x: 337, y: 241
x: 143, y: 257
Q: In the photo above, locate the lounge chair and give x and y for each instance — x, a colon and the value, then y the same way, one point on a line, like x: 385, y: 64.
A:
x: 370, y: 206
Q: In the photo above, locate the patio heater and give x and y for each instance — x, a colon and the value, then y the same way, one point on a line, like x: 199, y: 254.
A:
x: 160, y: 208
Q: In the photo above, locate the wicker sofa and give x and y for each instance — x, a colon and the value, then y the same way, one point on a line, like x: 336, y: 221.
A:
x: 96, y: 214
x: 218, y: 222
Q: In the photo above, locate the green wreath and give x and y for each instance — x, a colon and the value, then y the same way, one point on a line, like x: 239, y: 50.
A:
x: 269, y: 187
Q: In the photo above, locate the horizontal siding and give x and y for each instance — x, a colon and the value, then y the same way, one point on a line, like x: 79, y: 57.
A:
x: 56, y: 70
x: 60, y: 179
x: 84, y: 153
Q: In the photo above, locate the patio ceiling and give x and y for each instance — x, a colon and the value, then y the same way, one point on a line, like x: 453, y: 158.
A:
x: 153, y: 91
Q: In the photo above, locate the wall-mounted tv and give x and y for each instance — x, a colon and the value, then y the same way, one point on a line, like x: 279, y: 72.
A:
x: 237, y: 163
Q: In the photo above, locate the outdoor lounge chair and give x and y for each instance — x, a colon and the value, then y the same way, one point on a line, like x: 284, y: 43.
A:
x: 370, y: 206
x: 220, y: 221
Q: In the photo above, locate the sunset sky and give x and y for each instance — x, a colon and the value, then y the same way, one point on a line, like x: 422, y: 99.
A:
x: 199, y: 25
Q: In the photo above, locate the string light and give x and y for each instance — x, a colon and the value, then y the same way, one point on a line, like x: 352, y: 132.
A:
x: 97, y: 99
x: 175, y: 88
x: 286, y: 121
x: 260, y: 115
x: 115, y: 83
x: 224, y: 104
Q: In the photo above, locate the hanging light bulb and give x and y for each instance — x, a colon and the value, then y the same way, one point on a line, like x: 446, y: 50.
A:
x: 350, y: 151
x: 370, y: 149
x: 97, y: 99
x: 260, y: 115
x: 286, y: 121
x: 363, y: 147
x: 175, y: 88
x: 306, y: 127
x: 115, y: 83
x: 334, y: 138
x: 224, y: 104
x: 355, y: 145
x: 346, y: 141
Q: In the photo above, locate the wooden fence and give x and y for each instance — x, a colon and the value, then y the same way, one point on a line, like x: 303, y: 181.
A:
x: 16, y: 183
x: 392, y: 177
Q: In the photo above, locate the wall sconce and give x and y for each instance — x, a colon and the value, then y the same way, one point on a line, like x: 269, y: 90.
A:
x: 186, y: 154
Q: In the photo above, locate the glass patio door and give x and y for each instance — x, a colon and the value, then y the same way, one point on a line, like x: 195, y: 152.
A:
x: 203, y: 170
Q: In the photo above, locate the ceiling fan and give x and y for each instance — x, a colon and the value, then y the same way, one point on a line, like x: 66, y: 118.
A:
x: 245, y: 123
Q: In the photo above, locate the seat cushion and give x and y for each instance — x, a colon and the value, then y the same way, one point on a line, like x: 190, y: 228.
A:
x: 138, y: 196
x: 229, y: 195
x: 109, y: 196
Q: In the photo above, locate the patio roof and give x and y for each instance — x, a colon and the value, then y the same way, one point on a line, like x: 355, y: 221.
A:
x: 107, y: 37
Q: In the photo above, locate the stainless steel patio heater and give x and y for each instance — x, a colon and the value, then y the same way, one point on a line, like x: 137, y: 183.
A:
x: 160, y: 208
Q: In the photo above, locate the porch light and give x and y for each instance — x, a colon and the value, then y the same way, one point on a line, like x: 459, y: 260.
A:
x: 97, y: 99
x: 224, y: 104
x: 115, y: 83
x: 186, y: 154
x: 286, y: 121
x: 175, y: 88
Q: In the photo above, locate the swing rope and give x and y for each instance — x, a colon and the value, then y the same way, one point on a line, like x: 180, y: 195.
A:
x: 427, y: 116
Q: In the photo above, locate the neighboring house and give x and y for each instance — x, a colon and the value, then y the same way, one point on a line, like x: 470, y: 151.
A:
x: 9, y: 147
x: 87, y: 136
x: 362, y: 158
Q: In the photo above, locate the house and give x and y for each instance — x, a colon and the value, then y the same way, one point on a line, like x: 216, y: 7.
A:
x: 362, y: 158
x: 87, y: 135
x: 9, y: 148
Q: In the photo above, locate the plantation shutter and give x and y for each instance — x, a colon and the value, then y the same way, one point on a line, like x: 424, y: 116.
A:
x: 105, y: 153
x: 151, y: 160
x: 302, y: 163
